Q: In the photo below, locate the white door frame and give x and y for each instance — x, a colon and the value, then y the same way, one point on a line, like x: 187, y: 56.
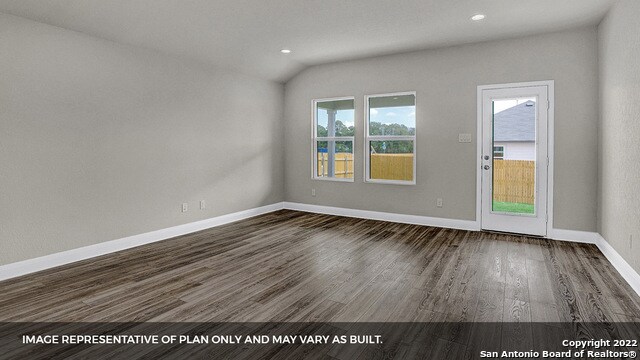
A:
x: 550, y: 146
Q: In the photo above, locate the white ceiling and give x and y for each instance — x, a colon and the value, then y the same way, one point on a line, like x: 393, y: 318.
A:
x: 247, y: 35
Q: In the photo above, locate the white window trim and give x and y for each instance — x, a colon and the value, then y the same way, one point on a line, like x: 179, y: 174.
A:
x: 315, y: 139
x: 368, y: 138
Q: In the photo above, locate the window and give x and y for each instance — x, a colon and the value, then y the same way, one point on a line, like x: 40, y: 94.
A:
x: 333, y: 132
x: 390, y: 138
x: 498, y: 152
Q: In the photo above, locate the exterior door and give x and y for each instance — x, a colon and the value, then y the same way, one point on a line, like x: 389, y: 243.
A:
x: 514, y: 159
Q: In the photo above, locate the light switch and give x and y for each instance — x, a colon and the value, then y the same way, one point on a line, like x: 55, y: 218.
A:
x: 464, y: 138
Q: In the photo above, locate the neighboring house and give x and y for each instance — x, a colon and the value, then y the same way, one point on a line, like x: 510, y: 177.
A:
x: 514, y: 132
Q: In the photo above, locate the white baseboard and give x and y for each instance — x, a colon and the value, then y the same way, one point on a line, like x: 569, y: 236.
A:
x: 626, y: 271
x: 384, y: 216
x: 45, y: 262
x: 623, y: 267
x: 586, y: 237
x: 48, y: 261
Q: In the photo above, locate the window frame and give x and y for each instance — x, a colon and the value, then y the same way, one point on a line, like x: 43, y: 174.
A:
x: 504, y: 148
x: 315, y: 139
x: 368, y: 138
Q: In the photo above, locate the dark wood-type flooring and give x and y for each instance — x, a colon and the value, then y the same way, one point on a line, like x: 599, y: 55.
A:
x: 296, y: 266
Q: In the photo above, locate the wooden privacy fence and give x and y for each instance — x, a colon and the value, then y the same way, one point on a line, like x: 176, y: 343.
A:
x: 383, y: 166
x: 514, y: 181
x: 392, y: 166
x: 343, y: 165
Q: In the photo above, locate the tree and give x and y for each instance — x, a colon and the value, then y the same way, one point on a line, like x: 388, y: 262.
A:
x: 391, y: 146
x: 322, y: 131
x: 343, y: 130
x: 340, y: 130
x: 375, y: 128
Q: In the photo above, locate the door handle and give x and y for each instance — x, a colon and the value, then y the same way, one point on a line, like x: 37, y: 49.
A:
x: 487, y: 167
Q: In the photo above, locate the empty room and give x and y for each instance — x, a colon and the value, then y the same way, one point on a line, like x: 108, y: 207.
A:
x: 416, y: 179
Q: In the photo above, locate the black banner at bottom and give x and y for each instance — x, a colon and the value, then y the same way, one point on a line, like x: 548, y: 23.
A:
x: 319, y: 340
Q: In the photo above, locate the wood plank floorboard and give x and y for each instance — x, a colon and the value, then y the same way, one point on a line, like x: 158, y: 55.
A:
x: 297, y: 266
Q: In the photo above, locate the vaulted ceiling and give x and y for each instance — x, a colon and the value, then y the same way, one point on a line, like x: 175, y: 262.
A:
x: 247, y: 35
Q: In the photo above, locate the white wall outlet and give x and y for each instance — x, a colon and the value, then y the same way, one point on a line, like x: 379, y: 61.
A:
x: 313, y: 192
x: 185, y: 207
x: 203, y: 205
x: 464, y: 138
x: 439, y: 202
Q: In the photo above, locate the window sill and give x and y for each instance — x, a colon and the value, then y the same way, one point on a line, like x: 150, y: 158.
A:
x: 389, y: 182
x: 333, y: 179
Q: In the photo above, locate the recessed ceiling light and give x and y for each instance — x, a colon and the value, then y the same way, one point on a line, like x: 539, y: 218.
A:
x: 478, y: 17
x: 285, y: 51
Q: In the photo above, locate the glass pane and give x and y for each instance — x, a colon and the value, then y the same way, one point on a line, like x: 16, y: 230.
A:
x: 392, y: 115
x: 335, y: 118
x: 391, y: 160
x: 514, y: 170
x: 335, y: 159
x: 498, y: 152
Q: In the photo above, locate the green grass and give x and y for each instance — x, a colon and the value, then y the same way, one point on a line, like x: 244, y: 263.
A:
x: 509, y: 207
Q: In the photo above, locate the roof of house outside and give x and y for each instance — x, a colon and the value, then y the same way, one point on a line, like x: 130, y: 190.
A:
x: 517, y: 123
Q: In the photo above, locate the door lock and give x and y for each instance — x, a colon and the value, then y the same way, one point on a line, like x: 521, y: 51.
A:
x: 486, y: 167
x: 486, y: 157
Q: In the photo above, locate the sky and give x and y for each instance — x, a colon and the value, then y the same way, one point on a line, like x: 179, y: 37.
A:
x: 346, y: 116
x: 403, y: 115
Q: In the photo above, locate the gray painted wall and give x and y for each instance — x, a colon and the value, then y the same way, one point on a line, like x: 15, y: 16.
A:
x: 100, y: 141
x: 619, y: 135
x: 446, y: 81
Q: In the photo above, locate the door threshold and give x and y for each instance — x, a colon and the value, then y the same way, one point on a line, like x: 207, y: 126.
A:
x: 512, y: 233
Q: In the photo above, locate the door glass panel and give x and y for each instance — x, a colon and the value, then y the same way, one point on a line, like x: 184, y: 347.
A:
x: 514, y: 156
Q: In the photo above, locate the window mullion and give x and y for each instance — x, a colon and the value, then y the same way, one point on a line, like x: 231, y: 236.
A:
x: 337, y: 138
x: 391, y: 138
